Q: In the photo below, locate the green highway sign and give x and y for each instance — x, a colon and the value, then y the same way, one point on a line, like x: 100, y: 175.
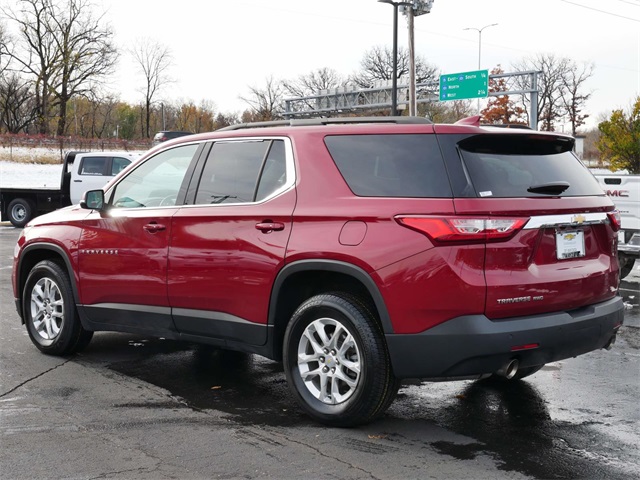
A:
x: 465, y: 85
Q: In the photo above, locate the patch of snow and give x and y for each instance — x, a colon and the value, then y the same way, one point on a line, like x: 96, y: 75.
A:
x: 29, y: 175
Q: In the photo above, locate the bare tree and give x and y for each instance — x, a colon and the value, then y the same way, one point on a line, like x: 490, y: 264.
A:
x: 446, y: 112
x: 377, y: 65
x: 155, y: 61
x: 62, y: 48
x: 266, y: 102
x: 573, y: 98
x: 35, y: 54
x: 5, y: 47
x: 17, y: 103
x: 313, y: 82
x: 550, y: 86
x: 85, y: 49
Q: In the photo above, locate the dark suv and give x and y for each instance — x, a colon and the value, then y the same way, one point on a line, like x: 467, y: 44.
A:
x: 358, y: 251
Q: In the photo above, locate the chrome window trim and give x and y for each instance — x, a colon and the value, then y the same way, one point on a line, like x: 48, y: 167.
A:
x: 570, y: 219
x: 289, y: 165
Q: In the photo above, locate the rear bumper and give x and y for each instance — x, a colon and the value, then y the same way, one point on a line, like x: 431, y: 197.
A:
x: 630, y: 247
x: 474, y: 345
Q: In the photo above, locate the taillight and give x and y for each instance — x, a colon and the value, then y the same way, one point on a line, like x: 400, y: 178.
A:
x: 615, y: 220
x: 464, y: 229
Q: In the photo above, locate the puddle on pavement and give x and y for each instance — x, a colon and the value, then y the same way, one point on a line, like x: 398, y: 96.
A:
x: 251, y: 388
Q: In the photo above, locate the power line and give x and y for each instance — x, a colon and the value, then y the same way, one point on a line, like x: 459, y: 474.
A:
x: 601, y: 11
x: 630, y: 3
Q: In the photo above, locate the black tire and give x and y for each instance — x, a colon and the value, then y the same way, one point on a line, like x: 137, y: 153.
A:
x: 348, y: 398
x: 520, y: 374
x: 50, y: 311
x: 19, y: 212
x: 626, y: 265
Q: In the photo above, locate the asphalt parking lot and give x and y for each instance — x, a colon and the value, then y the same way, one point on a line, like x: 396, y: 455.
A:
x: 144, y: 408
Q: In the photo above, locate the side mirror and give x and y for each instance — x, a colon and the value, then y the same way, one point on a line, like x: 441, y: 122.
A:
x: 93, y: 200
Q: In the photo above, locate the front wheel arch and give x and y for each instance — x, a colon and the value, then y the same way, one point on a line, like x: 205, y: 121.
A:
x: 34, y: 253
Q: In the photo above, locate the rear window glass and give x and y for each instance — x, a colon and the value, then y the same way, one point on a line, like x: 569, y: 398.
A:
x: 390, y: 165
x: 499, y: 168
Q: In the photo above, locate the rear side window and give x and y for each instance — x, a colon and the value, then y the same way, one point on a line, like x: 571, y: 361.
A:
x: 242, y: 172
x: 521, y: 166
x: 93, y: 165
x: 390, y: 165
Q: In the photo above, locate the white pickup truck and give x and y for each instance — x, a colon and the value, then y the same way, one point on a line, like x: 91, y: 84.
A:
x: 624, y: 190
x: 81, y: 171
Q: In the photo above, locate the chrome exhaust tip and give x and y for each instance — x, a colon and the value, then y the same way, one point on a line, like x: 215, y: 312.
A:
x: 610, y: 343
x: 509, y: 369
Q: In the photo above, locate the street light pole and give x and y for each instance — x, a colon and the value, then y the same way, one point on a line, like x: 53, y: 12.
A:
x: 394, y: 79
x: 479, y: 30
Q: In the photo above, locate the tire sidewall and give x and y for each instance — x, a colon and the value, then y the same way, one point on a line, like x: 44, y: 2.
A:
x: 58, y: 345
x: 305, y: 315
x: 16, y: 222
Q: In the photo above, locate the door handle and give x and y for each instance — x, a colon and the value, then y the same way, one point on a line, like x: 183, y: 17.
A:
x: 78, y: 181
x: 268, y: 227
x: 154, y: 227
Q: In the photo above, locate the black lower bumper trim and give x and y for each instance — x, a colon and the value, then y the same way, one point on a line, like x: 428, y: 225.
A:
x: 475, y: 345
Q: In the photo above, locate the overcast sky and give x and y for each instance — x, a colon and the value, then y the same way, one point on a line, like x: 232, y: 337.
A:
x: 222, y: 47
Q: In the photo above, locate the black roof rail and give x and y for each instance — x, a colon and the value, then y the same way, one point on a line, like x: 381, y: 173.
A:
x: 306, y: 122
x: 507, y: 125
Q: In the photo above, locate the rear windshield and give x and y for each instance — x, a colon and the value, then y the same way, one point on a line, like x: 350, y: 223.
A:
x: 390, y: 165
x: 525, y: 166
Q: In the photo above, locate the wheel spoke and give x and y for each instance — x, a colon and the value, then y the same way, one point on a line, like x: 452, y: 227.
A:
x: 317, y: 348
x: 333, y: 344
x: 319, y: 327
x: 346, y: 379
x: 329, y: 361
x: 47, y: 308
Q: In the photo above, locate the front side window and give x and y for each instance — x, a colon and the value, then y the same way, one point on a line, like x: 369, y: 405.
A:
x: 242, y: 172
x: 156, y: 182
x: 119, y: 164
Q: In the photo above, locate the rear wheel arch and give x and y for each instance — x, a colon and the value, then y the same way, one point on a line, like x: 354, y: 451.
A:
x: 301, y: 280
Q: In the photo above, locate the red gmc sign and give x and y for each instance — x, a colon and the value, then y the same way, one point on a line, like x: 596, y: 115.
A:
x: 618, y: 193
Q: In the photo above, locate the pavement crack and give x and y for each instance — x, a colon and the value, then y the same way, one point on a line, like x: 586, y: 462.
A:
x: 322, y: 454
x: 33, y: 378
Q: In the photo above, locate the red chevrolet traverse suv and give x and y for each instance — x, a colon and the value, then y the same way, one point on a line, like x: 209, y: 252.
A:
x: 360, y: 252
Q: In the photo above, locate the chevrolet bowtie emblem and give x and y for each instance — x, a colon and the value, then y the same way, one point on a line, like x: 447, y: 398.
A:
x: 578, y: 219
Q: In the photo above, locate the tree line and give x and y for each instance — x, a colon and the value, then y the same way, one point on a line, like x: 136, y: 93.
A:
x: 53, y: 75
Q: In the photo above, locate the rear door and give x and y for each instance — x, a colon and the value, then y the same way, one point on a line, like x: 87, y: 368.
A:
x: 227, y: 247
x: 563, y: 256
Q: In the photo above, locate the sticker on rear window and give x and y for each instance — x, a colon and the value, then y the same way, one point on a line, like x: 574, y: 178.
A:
x: 486, y: 194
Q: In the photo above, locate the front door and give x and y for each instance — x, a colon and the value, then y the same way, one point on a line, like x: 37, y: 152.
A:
x: 123, y: 251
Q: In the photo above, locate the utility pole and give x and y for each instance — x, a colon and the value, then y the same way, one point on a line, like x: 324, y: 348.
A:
x: 413, y: 105
x: 417, y: 8
x: 479, y: 30
x: 394, y: 78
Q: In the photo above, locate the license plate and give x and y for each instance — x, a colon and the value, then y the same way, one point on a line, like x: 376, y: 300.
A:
x: 569, y: 244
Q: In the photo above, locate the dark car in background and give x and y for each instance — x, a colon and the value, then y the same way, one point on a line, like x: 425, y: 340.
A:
x: 165, y: 135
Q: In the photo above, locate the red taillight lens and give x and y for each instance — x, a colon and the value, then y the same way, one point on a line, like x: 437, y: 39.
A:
x: 615, y: 220
x: 464, y: 229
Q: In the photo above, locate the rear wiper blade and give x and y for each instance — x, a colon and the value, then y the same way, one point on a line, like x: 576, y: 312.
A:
x: 551, y: 188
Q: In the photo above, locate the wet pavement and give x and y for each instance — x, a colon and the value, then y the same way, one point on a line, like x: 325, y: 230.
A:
x: 135, y: 407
